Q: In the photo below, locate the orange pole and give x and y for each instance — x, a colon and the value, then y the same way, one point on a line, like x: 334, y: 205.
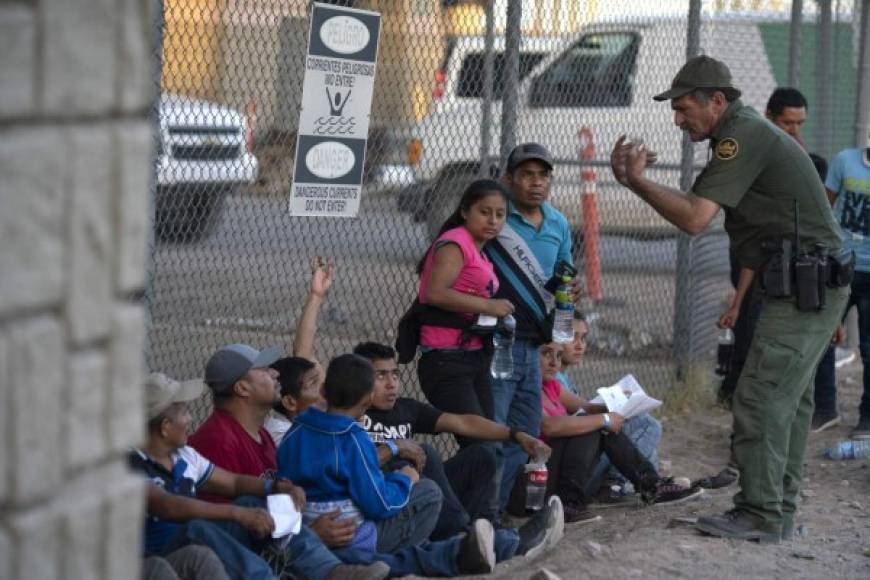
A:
x: 590, y: 218
x: 251, y: 122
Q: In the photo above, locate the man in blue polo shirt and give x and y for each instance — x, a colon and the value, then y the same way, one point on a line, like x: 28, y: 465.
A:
x: 535, y: 238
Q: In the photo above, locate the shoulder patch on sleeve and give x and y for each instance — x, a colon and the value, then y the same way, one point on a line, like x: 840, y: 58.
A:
x: 727, y: 149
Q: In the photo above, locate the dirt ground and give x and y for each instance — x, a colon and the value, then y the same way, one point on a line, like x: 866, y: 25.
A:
x: 833, y: 539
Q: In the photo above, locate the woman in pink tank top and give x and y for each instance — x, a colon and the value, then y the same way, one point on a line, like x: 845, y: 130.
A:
x: 457, y: 277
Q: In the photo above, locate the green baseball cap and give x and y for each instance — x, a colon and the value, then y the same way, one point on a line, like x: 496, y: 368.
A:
x: 701, y: 72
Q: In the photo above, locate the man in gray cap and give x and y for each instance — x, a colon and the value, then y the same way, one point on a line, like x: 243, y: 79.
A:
x: 244, y: 389
x: 766, y: 183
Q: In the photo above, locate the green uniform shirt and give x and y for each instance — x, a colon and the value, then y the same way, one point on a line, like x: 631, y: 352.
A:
x: 755, y: 173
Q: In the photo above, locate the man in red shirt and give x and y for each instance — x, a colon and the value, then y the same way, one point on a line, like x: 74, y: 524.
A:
x: 244, y: 389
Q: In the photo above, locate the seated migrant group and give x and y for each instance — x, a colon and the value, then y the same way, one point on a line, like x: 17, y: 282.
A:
x: 340, y: 440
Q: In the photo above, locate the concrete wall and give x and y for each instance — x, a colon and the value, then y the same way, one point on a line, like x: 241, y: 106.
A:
x: 75, y: 142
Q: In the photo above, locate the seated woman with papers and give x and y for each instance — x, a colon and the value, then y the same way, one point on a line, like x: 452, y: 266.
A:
x: 579, y: 440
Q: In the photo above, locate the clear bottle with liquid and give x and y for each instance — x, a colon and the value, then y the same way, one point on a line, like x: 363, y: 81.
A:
x: 563, y: 319
x: 723, y: 352
x: 849, y: 450
x: 502, y: 366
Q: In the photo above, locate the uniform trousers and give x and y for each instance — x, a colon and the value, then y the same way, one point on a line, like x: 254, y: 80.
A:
x: 773, y: 405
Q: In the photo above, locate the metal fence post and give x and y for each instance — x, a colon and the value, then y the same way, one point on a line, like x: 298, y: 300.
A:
x: 488, y: 77
x: 510, y: 96
x: 862, y: 115
x: 824, y: 88
x: 685, y: 281
x: 156, y: 15
x: 794, y: 43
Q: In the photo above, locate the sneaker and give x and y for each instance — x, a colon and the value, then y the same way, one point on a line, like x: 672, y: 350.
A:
x: 374, y: 571
x: 668, y: 492
x: 862, y: 429
x: 614, y: 496
x: 555, y: 520
x: 843, y: 357
x: 822, y: 421
x: 543, y: 530
x: 736, y: 525
x: 477, y: 549
x: 722, y: 479
x: 578, y: 513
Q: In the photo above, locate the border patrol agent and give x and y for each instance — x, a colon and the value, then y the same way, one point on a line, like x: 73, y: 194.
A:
x: 761, y: 177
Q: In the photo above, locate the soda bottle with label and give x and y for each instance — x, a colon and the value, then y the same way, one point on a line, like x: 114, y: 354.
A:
x: 563, y: 319
x: 536, y: 485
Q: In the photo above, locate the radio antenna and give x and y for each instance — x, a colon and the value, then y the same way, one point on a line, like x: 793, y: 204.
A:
x: 797, y: 232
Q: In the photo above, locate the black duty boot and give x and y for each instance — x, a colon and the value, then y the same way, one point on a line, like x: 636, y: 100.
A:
x: 737, y: 525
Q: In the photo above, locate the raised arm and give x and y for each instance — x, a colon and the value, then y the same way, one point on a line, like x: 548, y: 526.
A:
x: 687, y: 211
x: 322, y: 275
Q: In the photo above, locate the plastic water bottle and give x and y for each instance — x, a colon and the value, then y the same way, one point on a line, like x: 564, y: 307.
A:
x: 502, y: 366
x: 563, y: 321
x: 723, y: 352
x: 849, y: 450
x: 536, y: 485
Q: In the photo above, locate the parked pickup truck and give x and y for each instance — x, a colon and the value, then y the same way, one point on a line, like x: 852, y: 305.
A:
x: 203, y: 152
x: 601, y: 79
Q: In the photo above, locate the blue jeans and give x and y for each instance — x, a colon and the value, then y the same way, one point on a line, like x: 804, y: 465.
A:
x: 453, y: 517
x: 413, y: 525
x: 238, y: 558
x: 236, y: 547
x: 826, y: 395
x: 645, y: 432
x: 429, y: 558
x: 518, y: 405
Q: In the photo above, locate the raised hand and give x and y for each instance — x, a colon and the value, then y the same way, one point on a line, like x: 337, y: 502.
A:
x: 322, y: 275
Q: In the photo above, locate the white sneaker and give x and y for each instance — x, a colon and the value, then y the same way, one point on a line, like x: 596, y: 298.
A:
x: 843, y: 357
x: 555, y: 521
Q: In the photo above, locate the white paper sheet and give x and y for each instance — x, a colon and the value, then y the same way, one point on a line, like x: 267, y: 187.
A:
x: 287, y: 518
x: 626, y: 397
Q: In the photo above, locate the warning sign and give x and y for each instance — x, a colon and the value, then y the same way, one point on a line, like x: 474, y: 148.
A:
x: 336, y: 103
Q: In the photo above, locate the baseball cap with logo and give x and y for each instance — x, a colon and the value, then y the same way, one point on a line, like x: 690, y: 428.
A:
x: 230, y: 363
x: 527, y: 152
x: 701, y: 72
x: 162, y: 391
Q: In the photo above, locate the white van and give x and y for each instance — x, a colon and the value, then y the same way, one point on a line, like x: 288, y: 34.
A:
x: 203, y: 153
x: 602, y: 79
x: 458, y: 84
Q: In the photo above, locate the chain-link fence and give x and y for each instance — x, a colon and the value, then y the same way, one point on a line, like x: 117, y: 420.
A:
x: 231, y: 265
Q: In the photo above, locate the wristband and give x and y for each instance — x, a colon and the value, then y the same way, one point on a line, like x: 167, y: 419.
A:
x: 394, y: 449
x: 607, y: 421
x: 268, y: 486
x: 512, y: 436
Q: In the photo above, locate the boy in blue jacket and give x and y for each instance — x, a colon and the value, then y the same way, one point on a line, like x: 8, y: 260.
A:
x: 331, y: 456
